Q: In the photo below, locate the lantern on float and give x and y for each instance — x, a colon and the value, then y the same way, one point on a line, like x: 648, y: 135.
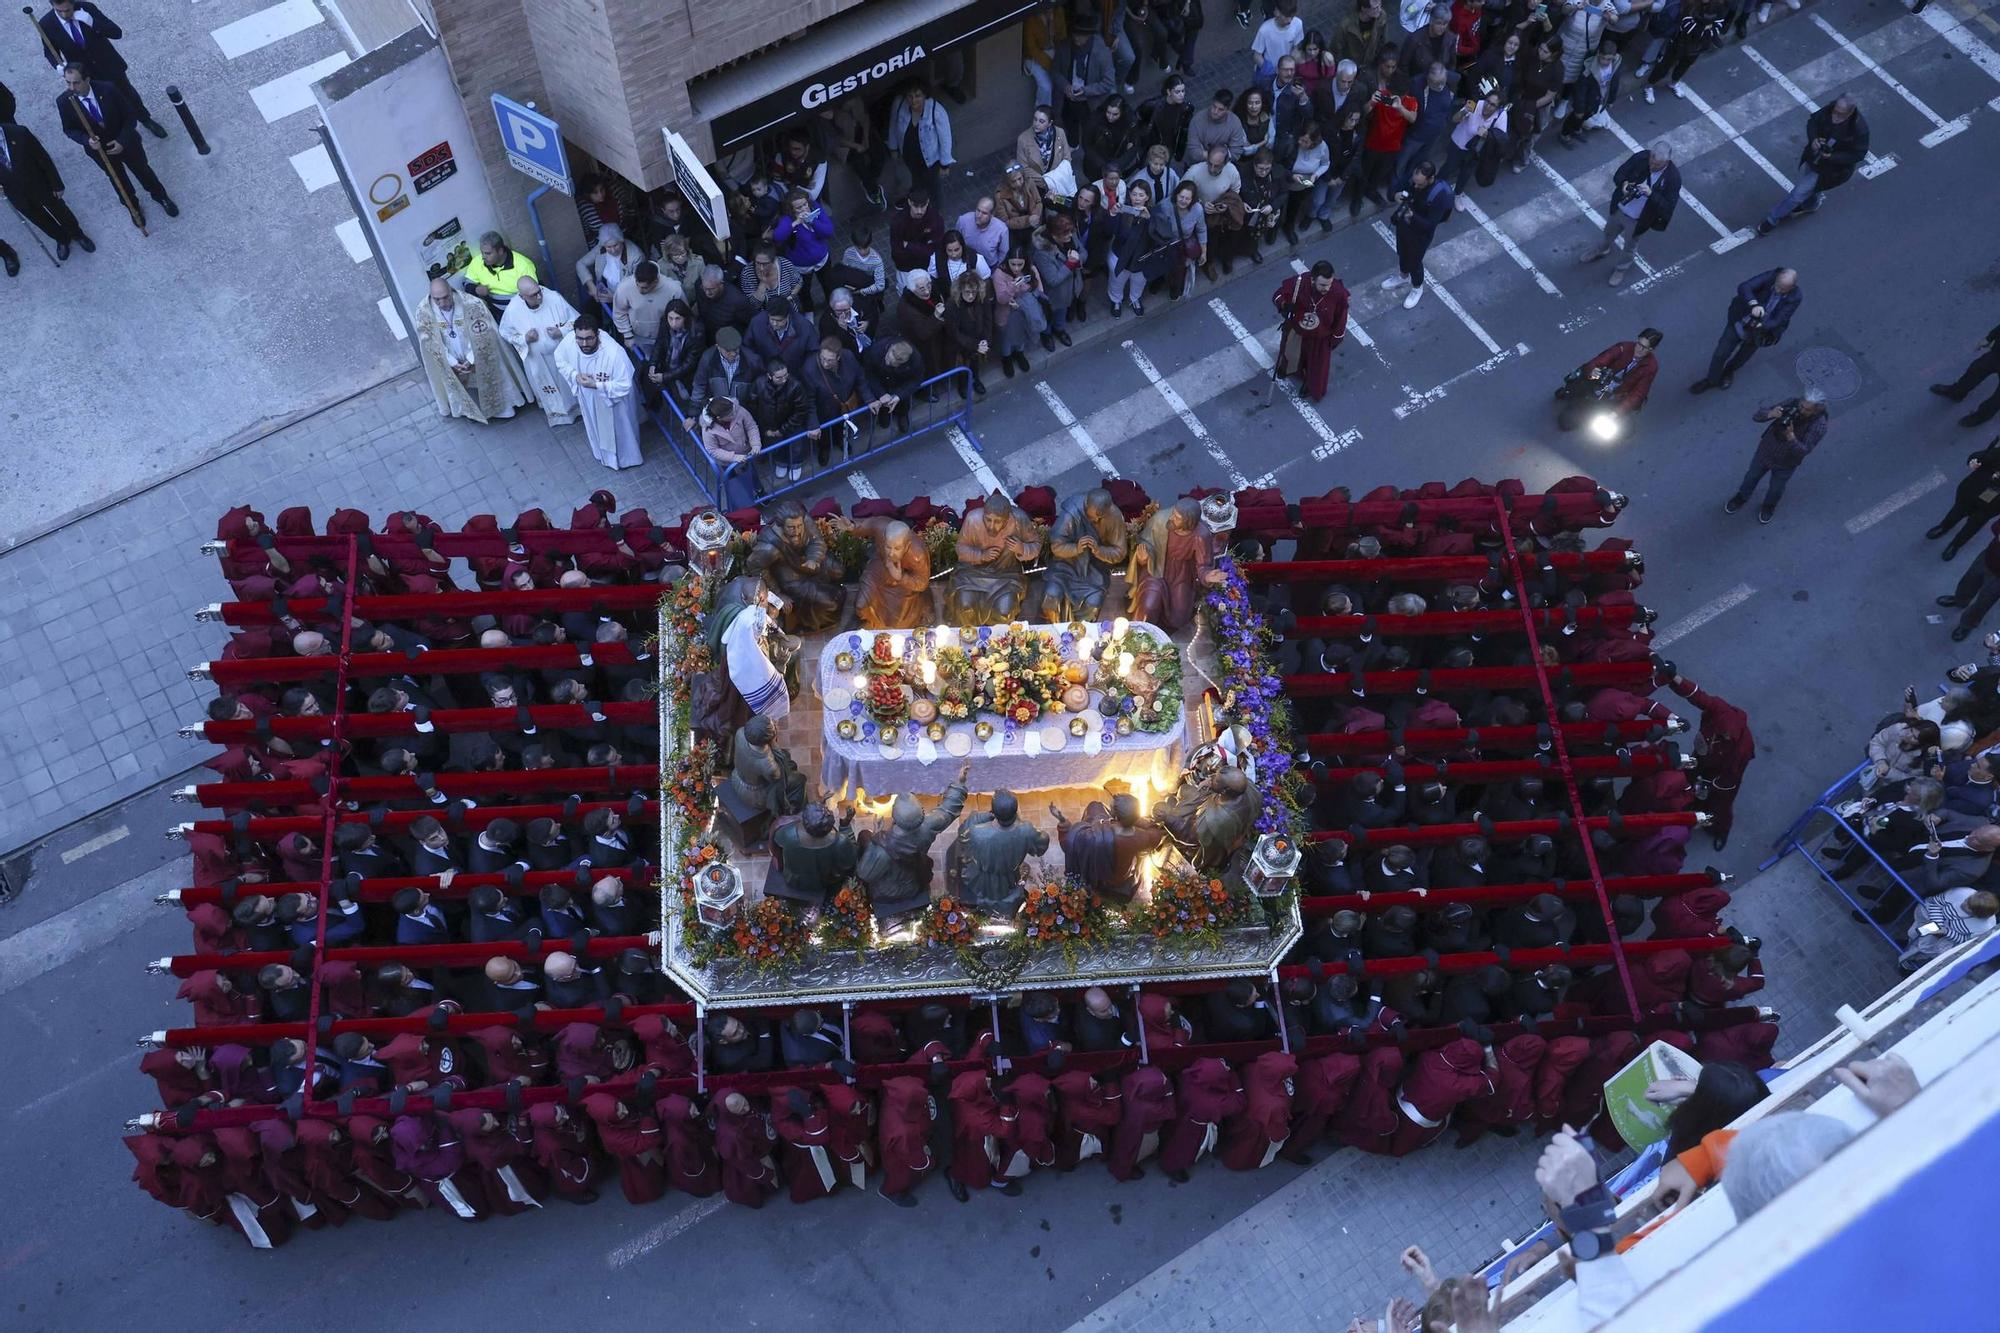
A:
x: 718, y: 895
x: 708, y: 538
x: 1274, y: 863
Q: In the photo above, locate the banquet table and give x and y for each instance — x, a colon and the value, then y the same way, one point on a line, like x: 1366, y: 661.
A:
x: 1041, y: 756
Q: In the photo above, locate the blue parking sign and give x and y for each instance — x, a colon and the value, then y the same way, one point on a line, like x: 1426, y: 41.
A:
x: 533, y: 142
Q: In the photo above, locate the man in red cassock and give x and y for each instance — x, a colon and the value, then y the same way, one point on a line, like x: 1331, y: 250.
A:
x: 1312, y: 310
x: 510, y: 1057
x: 284, y: 1167
x: 1559, y: 1062
x: 328, y: 1164
x: 504, y: 1164
x: 632, y: 1138
x: 691, y: 1165
x: 1255, y: 1135
x: 1511, y: 1103
x: 852, y: 1141
x: 1748, y: 1044
x: 199, y: 1188
x: 1690, y: 914
x: 257, y: 1203
x: 1208, y: 1093
x: 1324, y: 1083
x: 806, y: 1134
x: 904, y: 1138
x: 1583, y: 1095
x: 217, y: 1000
x: 1722, y: 751
x: 1663, y: 791
x: 662, y: 1046
x: 1370, y: 1116
x: 1089, y: 1107
x: 875, y: 1039
x: 430, y: 1150
x: 982, y: 1134
x: 743, y: 1142
x: 1721, y: 977
x: 375, y: 1163
x: 181, y: 1075
x: 564, y: 1149
x: 420, y: 1063
x: 1147, y: 1098
x: 1438, y: 1082
x: 1034, y: 1125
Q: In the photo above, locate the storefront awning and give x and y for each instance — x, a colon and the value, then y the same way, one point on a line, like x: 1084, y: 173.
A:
x: 871, y: 48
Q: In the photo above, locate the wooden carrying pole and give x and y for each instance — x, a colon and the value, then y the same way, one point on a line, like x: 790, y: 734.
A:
x: 111, y: 168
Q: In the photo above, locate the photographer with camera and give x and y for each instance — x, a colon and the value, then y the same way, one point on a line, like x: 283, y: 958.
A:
x: 1420, y: 211
x: 1614, y: 382
x: 1758, y: 315
x: 1836, y: 144
x: 1644, y: 193
x: 1797, y: 426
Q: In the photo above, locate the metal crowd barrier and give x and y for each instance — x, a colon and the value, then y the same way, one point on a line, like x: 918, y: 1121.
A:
x: 1828, y: 805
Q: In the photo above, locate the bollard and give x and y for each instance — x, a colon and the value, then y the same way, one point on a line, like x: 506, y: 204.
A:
x: 187, y: 119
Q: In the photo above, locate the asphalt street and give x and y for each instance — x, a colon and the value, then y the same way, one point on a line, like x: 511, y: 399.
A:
x: 1813, y: 624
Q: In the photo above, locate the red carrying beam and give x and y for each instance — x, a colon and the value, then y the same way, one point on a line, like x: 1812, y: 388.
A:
x: 231, y: 672
x: 1496, y: 895
x: 482, y: 786
x: 1476, y: 771
x: 1422, y: 568
x: 1524, y: 960
x: 410, y: 955
x: 605, y: 599
x: 555, y: 717
x: 1440, y: 623
x: 277, y: 826
x: 1563, y: 509
x: 462, y: 545
x: 1485, y: 738
x: 1512, y: 831
x: 381, y: 890
x: 1449, y: 681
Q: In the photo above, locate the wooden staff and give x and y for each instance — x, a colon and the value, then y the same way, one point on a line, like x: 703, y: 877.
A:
x: 83, y: 119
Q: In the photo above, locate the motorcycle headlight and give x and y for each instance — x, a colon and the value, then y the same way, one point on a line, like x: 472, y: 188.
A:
x: 1605, y: 427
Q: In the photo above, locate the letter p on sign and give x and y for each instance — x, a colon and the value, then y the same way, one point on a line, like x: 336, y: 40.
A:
x: 533, y: 142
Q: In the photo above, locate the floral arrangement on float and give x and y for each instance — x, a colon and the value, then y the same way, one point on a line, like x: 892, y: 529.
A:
x: 948, y: 924
x: 1139, y: 679
x: 771, y: 937
x: 847, y: 925
x: 1064, y: 914
x: 1253, y: 704
x: 1189, y: 909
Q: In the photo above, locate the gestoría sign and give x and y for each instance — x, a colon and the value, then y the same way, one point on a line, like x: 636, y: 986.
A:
x: 876, y: 70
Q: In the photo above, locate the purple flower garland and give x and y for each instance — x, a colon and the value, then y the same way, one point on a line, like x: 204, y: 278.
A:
x: 1255, y: 694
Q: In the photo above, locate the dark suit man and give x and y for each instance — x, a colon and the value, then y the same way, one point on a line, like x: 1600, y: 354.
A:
x: 1758, y: 315
x: 80, y: 33
x: 31, y: 183
x: 94, y: 112
x: 1644, y: 192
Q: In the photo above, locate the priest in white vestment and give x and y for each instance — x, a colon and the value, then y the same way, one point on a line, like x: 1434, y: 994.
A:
x: 599, y: 373
x: 536, y: 321
x: 472, y: 371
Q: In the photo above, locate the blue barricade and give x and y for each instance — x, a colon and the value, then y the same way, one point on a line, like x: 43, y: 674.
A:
x: 1829, y: 806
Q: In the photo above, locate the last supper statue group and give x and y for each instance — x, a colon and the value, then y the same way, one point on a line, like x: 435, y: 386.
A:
x: 1007, y: 570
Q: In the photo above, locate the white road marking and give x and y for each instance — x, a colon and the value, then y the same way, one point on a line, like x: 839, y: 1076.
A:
x: 1077, y: 431
x: 1910, y: 494
x: 123, y: 1060
x: 1726, y: 240
x: 646, y: 1242
x: 315, y: 168
x: 1763, y: 163
x: 1180, y: 409
x: 1575, y: 196
x: 1701, y: 615
x: 1450, y: 302
x: 255, y: 31
x: 969, y: 456
x: 1871, y: 167
x: 1978, y: 52
x: 90, y: 925
x: 1945, y: 128
x: 1419, y: 401
x: 350, y: 236
x: 292, y: 93
x: 96, y: 844
x: 1331, y: 441
x: 1506, y: 243
x: 861, y: 486
x: 392, y: 318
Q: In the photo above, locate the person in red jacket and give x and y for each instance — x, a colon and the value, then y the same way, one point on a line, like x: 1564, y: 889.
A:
x: 805, y: 1129
x: 1511, y: 1103
x: 1148, y: 1107
x: 1615, y: 381
x: 1209, y: 1092
x: 904, y: 1138
x: 1255, y: 1135
x: 632, y: 1139
x: 1090, y: 1107
x: 1369, y: 1119
x: 1690, y: 914
x: 1722, y: 751
x: 1440, y: 1081
x: 1324, y: 1082
x: 662, y: 1046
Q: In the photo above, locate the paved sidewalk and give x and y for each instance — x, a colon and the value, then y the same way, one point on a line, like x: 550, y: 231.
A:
x: 98, y: 628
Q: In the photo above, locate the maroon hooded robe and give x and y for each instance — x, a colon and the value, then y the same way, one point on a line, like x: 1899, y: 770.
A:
x: 743, y: 1146
x: 427, y: 1059
x: 1558, y: 1063
x: 1439, y: 1081
x: 1690, y: 914
x: 691, y: 1165
x: 1089, y: 1110
x: 1370, y: 1116
x: 214, y: 932
x: 982, y: 1137
x: 285, y: 1167
x: 511, y: 1055
x: 1297, y: 298
x: 153, y: 1168
x: 1034, y: 1124
x: 852, y: 1112
x: 213, y: 1007
x: 426, y: 1146
x: 875, y: 1039
x: 1709, y: 985
x: 632, y: 1138
x: 662, y: 1047
x: 375, y: 1164
x: 1208, y: 1093
x: 565, y: 1151
x: 1583, y: 1094
x: 1324, y: 1084
x: 1723, y: 751
x: 807, y: 1145
x: 1664, y: 791
x: 1747, y: 1044
x: 1147, y: 1108
x: 904, y: 1134
x: 1512, y: 1100
x: 178, y: 1085
x: 504, y: 1164
x: 1251, y: 1138
x: 327, y: 1162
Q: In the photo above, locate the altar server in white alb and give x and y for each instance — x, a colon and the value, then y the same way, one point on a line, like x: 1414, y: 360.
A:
x: 471, y: 370
x: 536, y: 322
x: 599, y: 373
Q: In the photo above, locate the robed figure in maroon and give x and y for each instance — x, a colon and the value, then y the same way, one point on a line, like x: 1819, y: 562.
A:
x: 1511, y: 1103
x: 1312, y: 310
x: 1209, y: 1092
x: 1147, y: 1099
x: 1438, y: 1082
x: 1255, y: 1135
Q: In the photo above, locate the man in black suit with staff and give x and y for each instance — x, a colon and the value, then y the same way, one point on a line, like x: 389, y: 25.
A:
x: 97, y: 116
x: 30, y: 182
x: 76, y: 30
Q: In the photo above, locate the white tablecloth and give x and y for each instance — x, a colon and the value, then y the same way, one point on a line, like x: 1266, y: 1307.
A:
x: 1142, y: 756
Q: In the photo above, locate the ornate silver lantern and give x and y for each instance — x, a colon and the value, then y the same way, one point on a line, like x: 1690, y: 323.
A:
x: 1274, y: 863
x: 708, y: 538
x: 718, y: 895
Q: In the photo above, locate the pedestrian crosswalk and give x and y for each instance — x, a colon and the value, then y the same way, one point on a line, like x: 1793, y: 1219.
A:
x: 1736, y: 136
